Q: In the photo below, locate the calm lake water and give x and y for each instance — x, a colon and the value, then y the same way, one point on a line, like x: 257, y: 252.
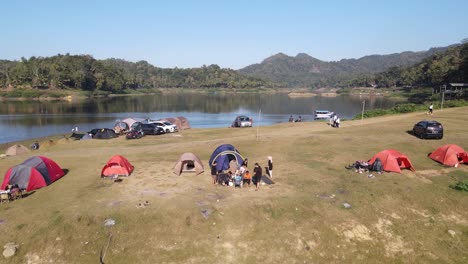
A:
x: 26, y: 120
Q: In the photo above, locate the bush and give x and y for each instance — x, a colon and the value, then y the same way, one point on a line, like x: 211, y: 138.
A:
x: 460, y: 186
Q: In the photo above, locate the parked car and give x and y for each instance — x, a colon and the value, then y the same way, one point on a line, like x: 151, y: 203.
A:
x: 428, y: 129
x: 148, y: 129
x: 323, y: 114
x: 166, y: 125
x: 242, y: 121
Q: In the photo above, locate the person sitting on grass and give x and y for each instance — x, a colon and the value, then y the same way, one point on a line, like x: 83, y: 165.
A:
x: 238, y: 180
x: 224, y: 178
x: 247, y: 178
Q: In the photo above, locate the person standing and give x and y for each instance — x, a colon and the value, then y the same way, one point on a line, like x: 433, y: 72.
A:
x: 431, y: 108
x: 246, y: 162
x: 270, y: 166
x: 257, y: 176
x: 214, y: 172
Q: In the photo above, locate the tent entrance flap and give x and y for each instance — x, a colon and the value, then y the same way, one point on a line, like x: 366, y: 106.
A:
x: 188, y: 166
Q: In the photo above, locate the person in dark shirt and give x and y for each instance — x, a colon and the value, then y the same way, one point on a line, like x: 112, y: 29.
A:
x: 246, y: 162
x: 214, y: 172
x: 270, y: 166
x: 257, y: 176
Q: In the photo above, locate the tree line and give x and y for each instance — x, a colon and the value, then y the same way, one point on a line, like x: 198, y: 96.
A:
x: 448, y: 67
x: 85, y: 73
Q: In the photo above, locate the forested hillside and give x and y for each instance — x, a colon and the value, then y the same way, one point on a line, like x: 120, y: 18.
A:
x: 85, y: 73
x: 306, y: 71
x: 442, y: 68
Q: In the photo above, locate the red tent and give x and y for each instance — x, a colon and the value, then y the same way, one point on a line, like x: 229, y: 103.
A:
x: 393, y: 160
x: 34, y: 173
x: 464, y: 157
x: 117, y: 166
x: 449, y: 155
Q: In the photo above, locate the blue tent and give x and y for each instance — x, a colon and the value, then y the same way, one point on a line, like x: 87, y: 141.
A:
x: 224, y: 154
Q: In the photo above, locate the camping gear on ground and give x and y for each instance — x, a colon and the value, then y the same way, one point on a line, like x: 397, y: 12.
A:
x: 359, y: 166
x: 266, y: 180
x: 449, y: 155
x: 34, y: 173
x: 117, y: 166
x: 105, y: 133
x: 16, y: 150
x: 188, y: 162
x: 392, y: 160
x: 223, y: 155
x: 377, y: 166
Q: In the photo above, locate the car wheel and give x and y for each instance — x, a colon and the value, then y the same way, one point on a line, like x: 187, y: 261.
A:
x: 167, y: 131
x: 421, y: 136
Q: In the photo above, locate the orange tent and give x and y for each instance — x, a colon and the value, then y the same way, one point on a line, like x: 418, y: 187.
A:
x: 393, y: 160
x: 449, y: 155
x: 117, y: 166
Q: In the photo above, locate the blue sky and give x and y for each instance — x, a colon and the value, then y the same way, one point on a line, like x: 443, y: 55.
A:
x: 232, y: 34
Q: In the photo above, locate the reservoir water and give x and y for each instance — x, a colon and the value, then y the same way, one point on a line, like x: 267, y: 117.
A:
x: 20, y: 120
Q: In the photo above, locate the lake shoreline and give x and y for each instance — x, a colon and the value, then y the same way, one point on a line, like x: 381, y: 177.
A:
x: 78, y: 95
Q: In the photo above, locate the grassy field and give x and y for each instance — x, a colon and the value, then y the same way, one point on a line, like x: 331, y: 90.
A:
x: 412, y: 217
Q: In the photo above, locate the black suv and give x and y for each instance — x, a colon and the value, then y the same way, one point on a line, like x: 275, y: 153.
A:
x: 428, y: 129
x: 148, y: 129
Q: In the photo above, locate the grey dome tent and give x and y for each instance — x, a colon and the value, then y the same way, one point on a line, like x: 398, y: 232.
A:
x: 105, y: 133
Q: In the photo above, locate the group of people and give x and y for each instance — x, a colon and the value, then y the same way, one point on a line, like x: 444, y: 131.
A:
x: 335, y: 121
x: 241, y: 176
x: 291, y: 119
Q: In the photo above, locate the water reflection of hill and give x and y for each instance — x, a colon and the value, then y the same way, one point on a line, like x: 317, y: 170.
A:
x: 205, y: 103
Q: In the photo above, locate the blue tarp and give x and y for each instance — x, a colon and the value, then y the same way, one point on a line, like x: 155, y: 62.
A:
x: 223, y: 154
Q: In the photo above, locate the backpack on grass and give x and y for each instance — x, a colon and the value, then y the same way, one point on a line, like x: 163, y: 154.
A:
x: 377, y: 165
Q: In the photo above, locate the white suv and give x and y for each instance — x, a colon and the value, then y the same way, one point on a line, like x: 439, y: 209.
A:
x: 167, y: 126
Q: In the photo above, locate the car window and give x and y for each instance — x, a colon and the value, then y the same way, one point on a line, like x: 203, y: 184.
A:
x: 434, y: 124
x: 167, y: 123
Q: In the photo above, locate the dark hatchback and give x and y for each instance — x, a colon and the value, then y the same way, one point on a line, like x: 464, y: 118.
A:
x: 428, y: 129
x: 148, y: 129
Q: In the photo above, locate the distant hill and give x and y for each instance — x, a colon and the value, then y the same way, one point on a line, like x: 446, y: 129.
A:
x: 305, y: 71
